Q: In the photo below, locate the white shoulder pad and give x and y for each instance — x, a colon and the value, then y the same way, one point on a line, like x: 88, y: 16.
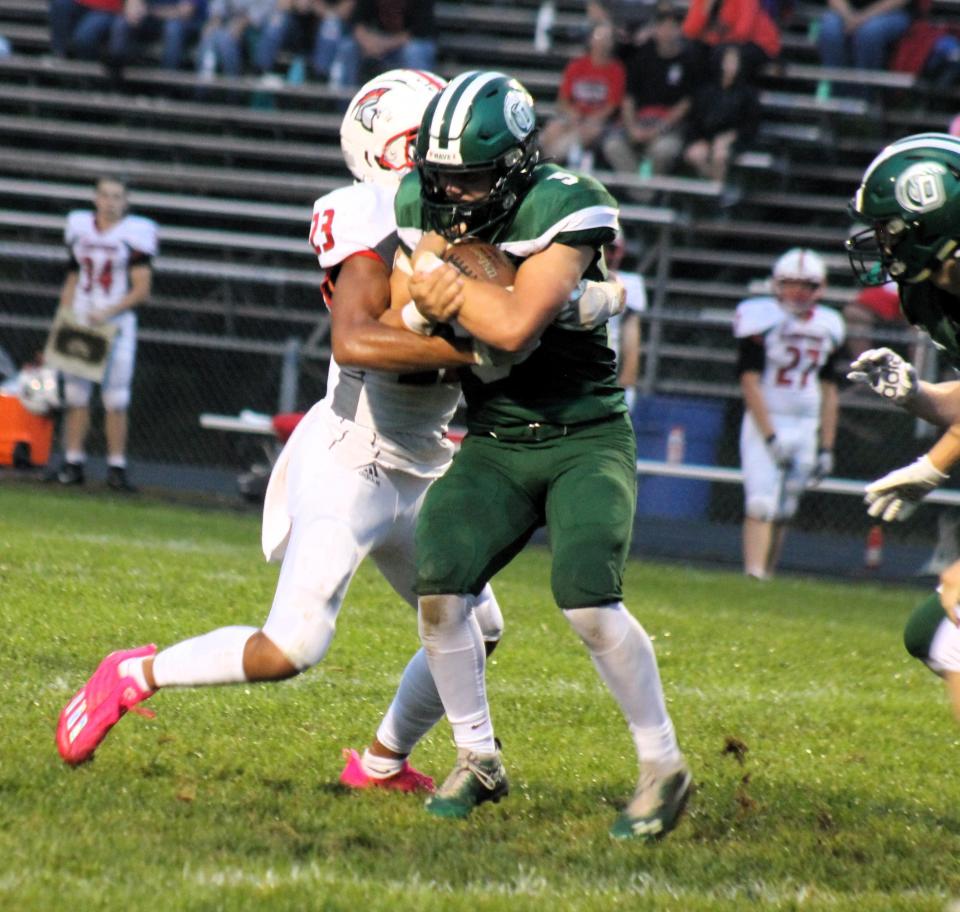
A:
x: 140, y: 234
x: 349, y: 220
x: 755, y: 316
x: 636, y: 292
x: 79, y: 222
x: 833, y: 322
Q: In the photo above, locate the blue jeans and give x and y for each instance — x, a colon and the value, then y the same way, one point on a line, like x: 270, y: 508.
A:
x: 176, y: 34
x: 866, y: 48
x: 82, y: 32
x: 225, y: 48
x: 350, y: 66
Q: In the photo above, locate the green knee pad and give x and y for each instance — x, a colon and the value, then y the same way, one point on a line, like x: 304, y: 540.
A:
x: 922, y: 626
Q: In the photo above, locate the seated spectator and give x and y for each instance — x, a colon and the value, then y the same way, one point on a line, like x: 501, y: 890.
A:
x: 861, y: 34
x: 745, y: 23
x: 591, y: 93
x: 88, y: 29
x: 724, y: 113
x: 931, y: 51
x: 176, y: 22
x: 230, y: 26
x: 660, y: 82
x: 385, y: 34
x: 311, y: 29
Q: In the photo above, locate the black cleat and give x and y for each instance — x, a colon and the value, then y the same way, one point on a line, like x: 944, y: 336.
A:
x: 71, y: 473
x: 117, y: 480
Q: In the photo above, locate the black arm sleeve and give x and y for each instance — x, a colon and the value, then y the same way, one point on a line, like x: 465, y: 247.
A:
x: 751, y: 355
x: 829, y: 370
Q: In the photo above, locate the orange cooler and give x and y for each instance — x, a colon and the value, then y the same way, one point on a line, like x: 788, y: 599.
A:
x: 25, y: 438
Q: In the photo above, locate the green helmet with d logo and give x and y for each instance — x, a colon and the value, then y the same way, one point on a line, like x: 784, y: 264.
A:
x: 476, y: 151
x: 910, y: 200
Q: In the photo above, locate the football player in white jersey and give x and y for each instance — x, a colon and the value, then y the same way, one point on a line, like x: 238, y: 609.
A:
x: 350, y: 480
x: 787, y: 352
x: 109, y: 275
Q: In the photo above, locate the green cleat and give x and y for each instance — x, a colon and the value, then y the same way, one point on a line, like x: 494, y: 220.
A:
x: 476, y: 778
x: 657, y: 804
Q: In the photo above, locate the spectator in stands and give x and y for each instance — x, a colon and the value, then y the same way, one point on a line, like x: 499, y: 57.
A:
x: 109, y: 275
x: 311, y: 29
x: 385, y: 34
x: 232, y: 27
x: 659, y: 88
x: 861, y: 34
x: 624, y: 329
x: 176, y: 22
x: 724, y: 115
x: 88, y: 29
x: 786, y: 342
x: 591, y: 93
x: 714, y: 24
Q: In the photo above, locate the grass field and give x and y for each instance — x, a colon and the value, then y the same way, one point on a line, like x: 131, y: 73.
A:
x: 825, y: 758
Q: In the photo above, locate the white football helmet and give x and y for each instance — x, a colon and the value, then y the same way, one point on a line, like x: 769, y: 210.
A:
x: 38, y: 390
x: 381, y: 124
x: 807, y: 269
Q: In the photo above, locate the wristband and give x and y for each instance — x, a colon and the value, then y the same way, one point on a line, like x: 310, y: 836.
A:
x: 427, y: 262
x: 415, y: 321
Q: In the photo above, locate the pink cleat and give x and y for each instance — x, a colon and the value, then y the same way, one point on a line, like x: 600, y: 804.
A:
x: 99, y: 705
x: 407, y: 780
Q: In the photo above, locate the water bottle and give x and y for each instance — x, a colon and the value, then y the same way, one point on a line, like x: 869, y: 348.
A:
x: 543, y: 30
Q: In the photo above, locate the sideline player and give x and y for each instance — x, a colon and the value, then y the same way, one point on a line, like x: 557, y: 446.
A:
x: 350, y: 480
x: 109, y: 275
x: 788, y: 345
x: 549, y: 441
x: 908, y: 197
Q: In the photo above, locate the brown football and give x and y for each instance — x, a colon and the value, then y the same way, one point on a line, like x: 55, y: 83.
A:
x: 482, y: 261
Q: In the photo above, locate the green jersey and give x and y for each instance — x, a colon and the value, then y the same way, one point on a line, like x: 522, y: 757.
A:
x: 571, y: 376
x: 936, y: 311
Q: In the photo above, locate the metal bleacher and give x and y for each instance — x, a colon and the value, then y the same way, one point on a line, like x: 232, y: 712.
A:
x: 232, y: 176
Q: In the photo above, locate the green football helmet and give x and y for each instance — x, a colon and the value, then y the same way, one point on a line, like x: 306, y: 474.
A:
x: 476, y: 151
x: 910, y: 199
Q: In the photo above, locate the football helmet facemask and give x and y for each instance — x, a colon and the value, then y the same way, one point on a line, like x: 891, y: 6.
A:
x: 476, y: 152
x: 910, y: 199
x: 380, y: 126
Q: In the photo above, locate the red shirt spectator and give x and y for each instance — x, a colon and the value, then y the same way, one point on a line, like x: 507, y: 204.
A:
x: 106, y: 6
x: 715, y: 23
x: 590, y: 87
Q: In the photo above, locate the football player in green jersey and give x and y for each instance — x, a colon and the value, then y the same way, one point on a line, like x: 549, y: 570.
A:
x: 910, y: 200
x: 549, y: 441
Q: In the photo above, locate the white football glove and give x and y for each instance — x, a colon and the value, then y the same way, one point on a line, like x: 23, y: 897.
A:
x: 591, y: 304
x: 781, y: 454
x: 823, y: 466
x: 887, y: 374
x: 494, y: 363
x: 898, y: 494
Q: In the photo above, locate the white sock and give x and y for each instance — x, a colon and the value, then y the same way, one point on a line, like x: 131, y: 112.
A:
x: 133, y: 668
x: 213, y: 658
x: 415, y: 709
x: 380, y: 767
x: 624, y: 657
x: 117, y: 462
x: 77, y: 457
x: 455, y: 652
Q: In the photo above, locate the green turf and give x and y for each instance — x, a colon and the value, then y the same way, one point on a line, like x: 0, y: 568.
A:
x: 824, y: 756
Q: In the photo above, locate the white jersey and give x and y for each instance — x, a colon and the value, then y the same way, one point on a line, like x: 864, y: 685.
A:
x: 795, y: 348
x: 409, y: 413
x: 104, y: 258
x: 636, y: 302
